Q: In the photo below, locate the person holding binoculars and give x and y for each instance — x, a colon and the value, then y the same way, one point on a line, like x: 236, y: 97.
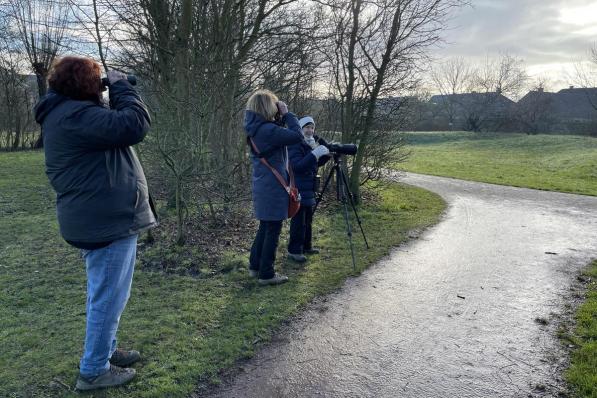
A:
x: 102, y: 199
x: 269, y: 127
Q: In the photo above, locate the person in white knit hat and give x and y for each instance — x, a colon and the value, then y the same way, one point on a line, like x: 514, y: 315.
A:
x: 305, y: 157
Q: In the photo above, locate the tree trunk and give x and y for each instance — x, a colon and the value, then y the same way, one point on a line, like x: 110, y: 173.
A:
x: 41, y: 72
x: 183, y: 93
x: 17, y: 142
x: 348, y: 128
x: 180, y: 234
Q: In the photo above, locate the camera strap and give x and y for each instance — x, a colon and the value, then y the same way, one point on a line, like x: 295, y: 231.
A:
x: 287, y: 187
x: 263, y: 154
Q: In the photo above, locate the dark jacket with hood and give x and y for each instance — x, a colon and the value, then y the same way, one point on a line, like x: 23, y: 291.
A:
x: 101, y: 189
x: 305, y: 165
x: 270, y: 199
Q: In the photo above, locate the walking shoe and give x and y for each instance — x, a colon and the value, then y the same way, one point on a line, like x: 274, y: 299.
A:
x: 277, y: 279
x: 253, y: 273
x: 115, y: 376
x: 299, y: 258
x: 312, y: 250
x: 123, y: 358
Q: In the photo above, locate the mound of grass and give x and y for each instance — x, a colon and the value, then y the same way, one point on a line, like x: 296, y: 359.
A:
x: 564, y: 163
x: 187, y: 328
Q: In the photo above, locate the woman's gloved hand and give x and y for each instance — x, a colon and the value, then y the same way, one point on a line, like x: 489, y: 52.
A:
x: 320, y: 151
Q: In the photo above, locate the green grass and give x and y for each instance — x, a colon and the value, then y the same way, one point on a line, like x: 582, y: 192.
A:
x: 187, y: 329
x: 582, y: 374
x: 562, y: 163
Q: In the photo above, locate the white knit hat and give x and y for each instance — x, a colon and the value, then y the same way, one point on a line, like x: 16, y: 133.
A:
x: 306, y: 120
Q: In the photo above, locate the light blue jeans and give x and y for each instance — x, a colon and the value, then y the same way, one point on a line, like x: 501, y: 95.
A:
x: 109, y: 278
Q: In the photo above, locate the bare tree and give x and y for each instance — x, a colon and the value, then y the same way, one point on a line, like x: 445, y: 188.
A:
x: 94, y: 24
x: 486, y: 101
x: 200, y: 59
x: 16, y: 95
x: 455, y: 76
x: 499, y: 81
x: 41, y: 26
x: 378, y: 50
x: 171, y: 29
x: 505, y: 75
x: 292, y: 65
x: 585, y: 76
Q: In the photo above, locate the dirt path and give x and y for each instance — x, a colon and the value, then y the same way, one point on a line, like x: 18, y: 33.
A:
x: 455, y: 313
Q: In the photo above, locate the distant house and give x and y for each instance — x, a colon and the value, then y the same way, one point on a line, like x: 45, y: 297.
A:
x: 576, y: 103
x: 567, y: 111
x: 473, y: 111
x: 535, y: 112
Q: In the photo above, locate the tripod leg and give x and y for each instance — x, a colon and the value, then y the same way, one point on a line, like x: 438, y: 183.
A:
x: 342, y: 196
x: 327, y: 181
x: 354, y: 208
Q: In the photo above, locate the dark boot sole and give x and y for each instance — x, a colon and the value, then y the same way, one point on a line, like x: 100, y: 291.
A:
x: 89, y: 387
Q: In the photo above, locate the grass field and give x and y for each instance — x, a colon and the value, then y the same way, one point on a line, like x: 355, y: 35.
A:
x: 188, y: 329
x: 564, y: 163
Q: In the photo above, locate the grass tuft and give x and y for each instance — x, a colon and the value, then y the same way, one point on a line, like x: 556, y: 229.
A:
x: 582, y: 374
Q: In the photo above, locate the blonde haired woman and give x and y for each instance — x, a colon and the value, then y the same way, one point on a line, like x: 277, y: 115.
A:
x: 269, y: 128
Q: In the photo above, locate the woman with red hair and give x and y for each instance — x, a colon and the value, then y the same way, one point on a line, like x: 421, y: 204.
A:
x: 102, y: 199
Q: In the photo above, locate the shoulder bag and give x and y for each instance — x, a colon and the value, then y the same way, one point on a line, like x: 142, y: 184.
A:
x: 294, y: 202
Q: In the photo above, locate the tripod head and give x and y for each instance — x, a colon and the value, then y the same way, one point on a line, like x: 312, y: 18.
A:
x: 337, y: 157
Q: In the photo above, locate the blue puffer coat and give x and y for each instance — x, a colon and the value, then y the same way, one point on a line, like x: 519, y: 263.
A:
x: 270, y: 200
x: 305, y: 165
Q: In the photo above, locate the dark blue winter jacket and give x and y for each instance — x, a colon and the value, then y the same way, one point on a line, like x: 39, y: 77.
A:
x: 305, y: 165
x: 101, y: 191
x: 270, y: 199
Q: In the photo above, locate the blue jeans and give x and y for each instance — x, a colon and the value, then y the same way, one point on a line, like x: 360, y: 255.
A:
x: 109, y: 279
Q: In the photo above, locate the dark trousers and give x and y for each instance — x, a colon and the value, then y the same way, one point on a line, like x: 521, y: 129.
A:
x: 263, y: 251
x: 301, y: 231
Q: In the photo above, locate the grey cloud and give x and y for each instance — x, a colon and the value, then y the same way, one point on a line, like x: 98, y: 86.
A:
x: 529, y: 29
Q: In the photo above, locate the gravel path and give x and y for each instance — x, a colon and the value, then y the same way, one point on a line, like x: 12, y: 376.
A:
x: 456, y: 313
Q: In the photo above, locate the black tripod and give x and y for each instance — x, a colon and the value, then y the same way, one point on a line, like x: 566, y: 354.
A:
x: 343, y: 195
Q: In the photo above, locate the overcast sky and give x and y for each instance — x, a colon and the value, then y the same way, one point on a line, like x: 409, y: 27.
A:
x: 549, y: 35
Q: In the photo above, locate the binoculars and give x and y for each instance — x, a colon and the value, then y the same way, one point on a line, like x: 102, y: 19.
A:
x: 131, y: 79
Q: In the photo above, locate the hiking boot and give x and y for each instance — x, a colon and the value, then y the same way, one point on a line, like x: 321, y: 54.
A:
x: 253, y: 273
x: 312, y: 250
x: 277, y: 279
x: 299, y: 258
x: 115, y: 376
x: 123, y: 358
